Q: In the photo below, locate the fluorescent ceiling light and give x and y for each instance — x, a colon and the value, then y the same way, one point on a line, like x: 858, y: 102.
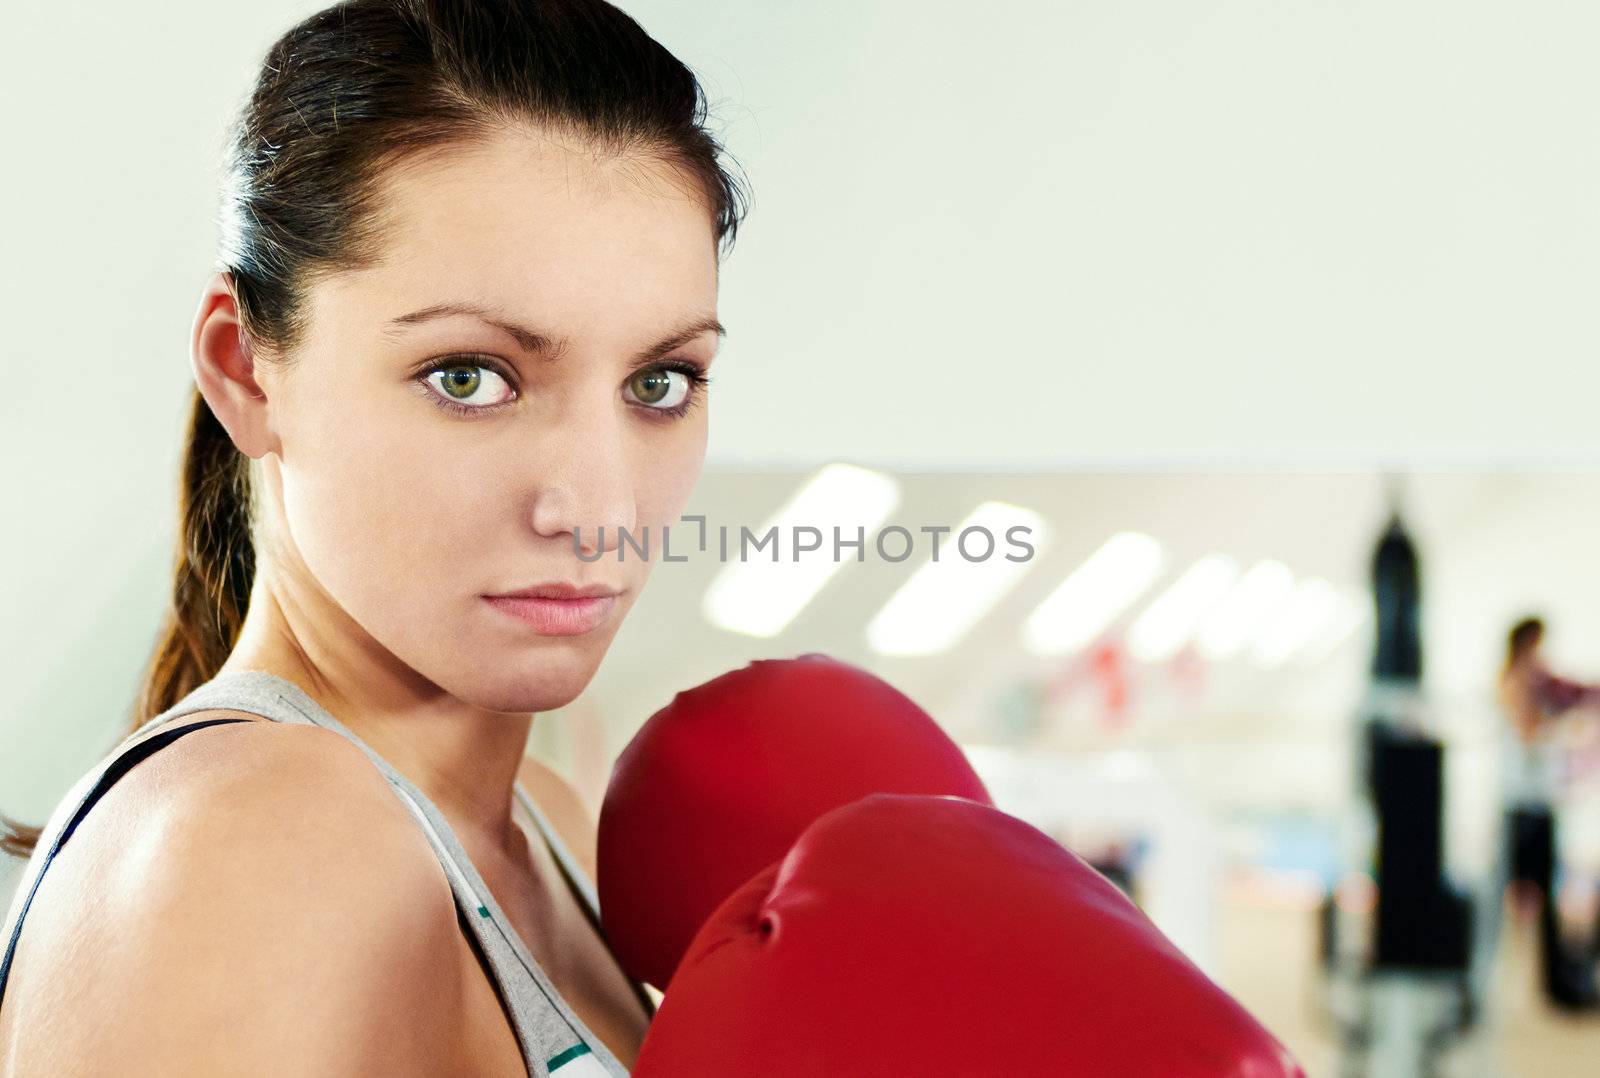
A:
x: 1172, y: 618
x: 1295, y: 622
x: 759, y: 596
x: 1088, y: 600
x: 1243, y: 610
x: 944, y: 599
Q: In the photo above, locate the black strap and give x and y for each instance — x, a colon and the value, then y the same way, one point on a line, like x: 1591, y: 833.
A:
x: 117, y: 768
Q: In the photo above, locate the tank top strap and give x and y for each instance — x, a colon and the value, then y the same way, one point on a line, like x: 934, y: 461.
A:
x: 553, y: 1040
x: 254, y: 692
x: 580, y: 884
x: 84, y: 794
x: 69, y: 813
x: 564, y: 856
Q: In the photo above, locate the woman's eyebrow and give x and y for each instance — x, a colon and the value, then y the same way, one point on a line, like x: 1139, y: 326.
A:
x: 542, y: 344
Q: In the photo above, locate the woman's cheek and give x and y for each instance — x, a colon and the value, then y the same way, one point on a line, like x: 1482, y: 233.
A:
x: 663, y: 492
x: 364, y: 509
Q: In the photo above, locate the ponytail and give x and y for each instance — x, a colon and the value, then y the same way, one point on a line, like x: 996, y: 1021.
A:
x: 1522, y: 636
x: 215, y: 567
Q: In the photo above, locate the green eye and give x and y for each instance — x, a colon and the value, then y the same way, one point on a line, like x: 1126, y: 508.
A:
x: 460, y: 381
x: 651, y: 386
x: 461, y: 386
x: 660, y: 388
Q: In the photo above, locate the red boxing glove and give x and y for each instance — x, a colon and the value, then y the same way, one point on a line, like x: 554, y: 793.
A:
x: 935, y: 936
x: 718, y: 784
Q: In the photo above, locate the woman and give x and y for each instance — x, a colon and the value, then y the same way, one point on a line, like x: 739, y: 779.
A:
x: 1538, y: 704
x: 461, y: 323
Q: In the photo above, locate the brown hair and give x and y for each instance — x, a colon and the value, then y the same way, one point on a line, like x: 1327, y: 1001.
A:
x: 1523, y: 635
x: 339, y: 98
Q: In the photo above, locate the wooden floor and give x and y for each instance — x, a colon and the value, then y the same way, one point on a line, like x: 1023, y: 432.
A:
x: 1268, y: 961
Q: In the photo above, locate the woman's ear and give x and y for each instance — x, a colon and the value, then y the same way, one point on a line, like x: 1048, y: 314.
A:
x: 225, y: 370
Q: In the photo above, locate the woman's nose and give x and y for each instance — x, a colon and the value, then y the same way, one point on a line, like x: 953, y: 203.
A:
x: 585, y: 485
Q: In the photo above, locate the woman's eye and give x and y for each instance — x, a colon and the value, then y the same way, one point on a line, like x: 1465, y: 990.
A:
x: 464, y: 384
x: 660, y: 388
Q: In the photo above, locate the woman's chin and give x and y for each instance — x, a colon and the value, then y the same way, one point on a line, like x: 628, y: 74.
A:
x: 548, y: 682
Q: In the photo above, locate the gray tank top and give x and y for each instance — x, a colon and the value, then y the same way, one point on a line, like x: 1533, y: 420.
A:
x: 555, y: 1042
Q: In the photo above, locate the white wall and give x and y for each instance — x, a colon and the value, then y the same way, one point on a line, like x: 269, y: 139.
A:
x: 1027, y: 236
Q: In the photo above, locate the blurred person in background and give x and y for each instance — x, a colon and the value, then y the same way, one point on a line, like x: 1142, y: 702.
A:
x: 1540, y: 708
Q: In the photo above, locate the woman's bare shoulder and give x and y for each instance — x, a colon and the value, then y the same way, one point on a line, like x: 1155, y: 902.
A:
x: 253, y: 891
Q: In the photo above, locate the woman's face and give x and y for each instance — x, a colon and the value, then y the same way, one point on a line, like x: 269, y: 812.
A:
x: 429, y: 458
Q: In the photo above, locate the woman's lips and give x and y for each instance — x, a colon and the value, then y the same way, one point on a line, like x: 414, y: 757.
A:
x: 556, y: 617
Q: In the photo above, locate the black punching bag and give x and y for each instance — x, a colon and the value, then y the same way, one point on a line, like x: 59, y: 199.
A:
x: 1421, y: 922
x: 1397, y: 593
